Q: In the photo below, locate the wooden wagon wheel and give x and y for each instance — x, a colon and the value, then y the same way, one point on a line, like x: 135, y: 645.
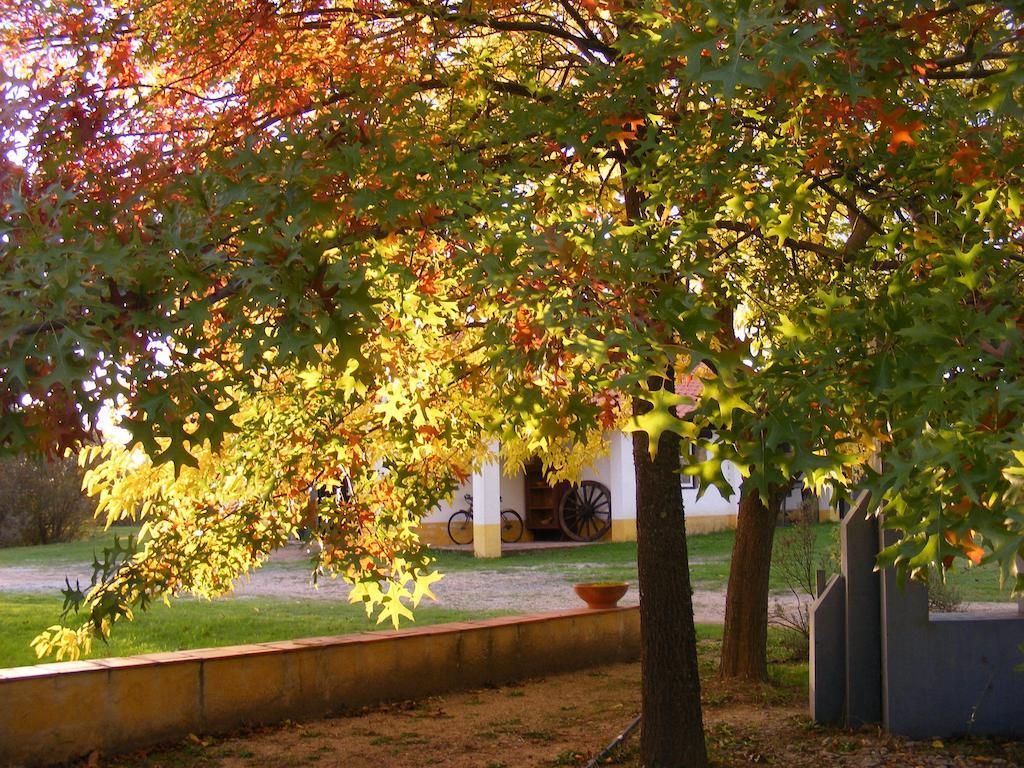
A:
x: 585, y: 512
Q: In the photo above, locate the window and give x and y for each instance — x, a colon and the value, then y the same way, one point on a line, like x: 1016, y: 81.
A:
x: 693, y: 454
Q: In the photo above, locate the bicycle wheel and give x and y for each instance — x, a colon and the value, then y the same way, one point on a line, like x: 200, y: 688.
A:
x: 511, y: 526
x: 460, y: 527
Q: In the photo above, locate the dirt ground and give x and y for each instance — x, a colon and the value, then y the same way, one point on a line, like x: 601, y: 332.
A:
x: 564, y: 720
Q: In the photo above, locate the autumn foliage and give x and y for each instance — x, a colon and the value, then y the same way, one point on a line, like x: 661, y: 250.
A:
x: 299, y: 242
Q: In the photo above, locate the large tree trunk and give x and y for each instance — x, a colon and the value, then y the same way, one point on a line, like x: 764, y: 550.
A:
x: 673, y: 731
x: 745, y: 638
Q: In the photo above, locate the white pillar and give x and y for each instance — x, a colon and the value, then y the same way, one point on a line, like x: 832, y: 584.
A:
x: 825, y: 511
x: 622, y: 485
x: 487, y: 510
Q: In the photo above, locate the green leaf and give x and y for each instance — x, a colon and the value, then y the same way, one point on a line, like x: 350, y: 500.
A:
x: 660, y: 418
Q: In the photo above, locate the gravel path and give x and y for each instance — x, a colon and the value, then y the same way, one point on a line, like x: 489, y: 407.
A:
x: 521, y: 589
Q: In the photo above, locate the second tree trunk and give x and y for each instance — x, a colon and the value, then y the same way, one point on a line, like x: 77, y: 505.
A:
x: 745, y: 636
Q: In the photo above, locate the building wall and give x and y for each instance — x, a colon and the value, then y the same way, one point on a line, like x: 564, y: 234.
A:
x: 433, y: 529
x: 711, y: 512
x: 712, y: 503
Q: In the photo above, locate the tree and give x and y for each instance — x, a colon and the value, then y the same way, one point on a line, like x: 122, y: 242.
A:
x: 905, y: 202
x: 361, y: 240
x: 41, y: 503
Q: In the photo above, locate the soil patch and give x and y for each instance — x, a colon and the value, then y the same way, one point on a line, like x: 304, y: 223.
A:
x: 564, y: 720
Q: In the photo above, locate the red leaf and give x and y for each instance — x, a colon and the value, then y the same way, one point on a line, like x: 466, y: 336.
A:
x: 901, y: 128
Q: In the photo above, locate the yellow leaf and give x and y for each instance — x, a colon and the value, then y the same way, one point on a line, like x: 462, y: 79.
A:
x: 392, y: 608
x: 422, y: 587
x: 661, y: 418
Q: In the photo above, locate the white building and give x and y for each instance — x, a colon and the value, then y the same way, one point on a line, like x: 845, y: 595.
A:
x: 494, y: 489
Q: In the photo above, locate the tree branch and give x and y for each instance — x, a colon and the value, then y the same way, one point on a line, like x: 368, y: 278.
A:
x: 825, y: 251
x: 975, y: 73
x: 852, y: 206
x: 581, y: 22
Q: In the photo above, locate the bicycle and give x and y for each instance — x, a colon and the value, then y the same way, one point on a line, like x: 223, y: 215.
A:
x: 460, y: 525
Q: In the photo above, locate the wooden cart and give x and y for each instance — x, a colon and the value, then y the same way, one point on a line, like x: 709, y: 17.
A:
x: 581, y: 511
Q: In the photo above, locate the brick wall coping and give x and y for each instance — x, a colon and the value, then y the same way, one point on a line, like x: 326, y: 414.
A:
x: 52, y: 669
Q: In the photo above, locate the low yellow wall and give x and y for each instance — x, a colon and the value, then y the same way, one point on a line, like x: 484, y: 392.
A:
x: 623, y: 530
x: 487, y: 540
x: 710, y: 523
x: 56, y: 712
x: 436, y: 534
x: 714, y: 523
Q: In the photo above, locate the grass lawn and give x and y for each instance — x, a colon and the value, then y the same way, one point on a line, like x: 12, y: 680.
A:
x: 74, y: 553
x: 709, y: 561
x: 193, y: 623
x: 710, y: 555
x: 978, y: 584
x: 200, y: 624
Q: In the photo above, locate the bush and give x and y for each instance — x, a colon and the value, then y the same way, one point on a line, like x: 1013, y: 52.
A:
x: 797, y: 560
x: 943, y: 597
x: 41, y: 502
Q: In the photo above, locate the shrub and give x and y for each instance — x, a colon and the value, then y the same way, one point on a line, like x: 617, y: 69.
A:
x: 41, y: 502
x: 943, y: 597
x: 797, y: 560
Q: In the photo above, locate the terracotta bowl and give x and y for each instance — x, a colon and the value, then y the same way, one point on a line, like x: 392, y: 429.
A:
x: 604, y: 594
